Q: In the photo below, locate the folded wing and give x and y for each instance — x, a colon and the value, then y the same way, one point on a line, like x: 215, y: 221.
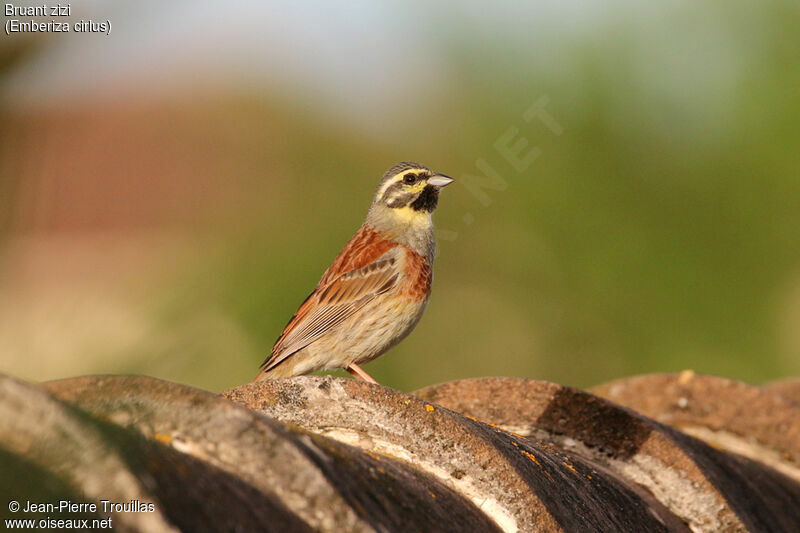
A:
x: 332, y: 303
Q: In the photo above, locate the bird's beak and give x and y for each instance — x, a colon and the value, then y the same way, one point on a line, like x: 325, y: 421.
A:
x: 440, y: 180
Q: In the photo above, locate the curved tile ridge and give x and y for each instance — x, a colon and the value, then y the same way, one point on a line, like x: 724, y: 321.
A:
x: 709, y: 489
x: 788, y: 388
x: 393, y: 497
x: 200, y: 424
x: 331, y: 486
x: 521, y: 485
x: 65, y: 448
x: 752, y: 421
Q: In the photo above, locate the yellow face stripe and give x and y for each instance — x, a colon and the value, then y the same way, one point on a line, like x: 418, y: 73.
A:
x: 417, y: 187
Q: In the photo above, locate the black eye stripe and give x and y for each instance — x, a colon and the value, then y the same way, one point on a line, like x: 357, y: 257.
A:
x: 390, y: 190
x: 400, y: 200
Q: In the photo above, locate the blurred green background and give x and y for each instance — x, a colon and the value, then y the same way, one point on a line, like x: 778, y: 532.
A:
x: 171, y: 192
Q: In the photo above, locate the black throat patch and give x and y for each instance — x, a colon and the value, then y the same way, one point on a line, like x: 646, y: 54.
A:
x: 427, y: 199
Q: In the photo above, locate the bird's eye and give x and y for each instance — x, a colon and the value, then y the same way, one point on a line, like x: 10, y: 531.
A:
x: 409, y: 179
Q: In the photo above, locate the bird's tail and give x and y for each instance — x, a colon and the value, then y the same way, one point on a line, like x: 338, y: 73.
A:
x: 266, y: 374
x: 280, y: 371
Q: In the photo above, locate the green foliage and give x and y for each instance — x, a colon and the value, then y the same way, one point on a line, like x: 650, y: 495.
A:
x: 659, y: 231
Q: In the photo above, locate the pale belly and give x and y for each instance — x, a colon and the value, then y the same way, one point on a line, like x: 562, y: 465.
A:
x: 368, y: 334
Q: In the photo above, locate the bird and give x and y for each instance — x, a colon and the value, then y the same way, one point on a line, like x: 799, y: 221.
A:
x: 375, y: 291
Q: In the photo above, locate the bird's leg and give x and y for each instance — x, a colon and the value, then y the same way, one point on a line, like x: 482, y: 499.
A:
x: 359, y: 373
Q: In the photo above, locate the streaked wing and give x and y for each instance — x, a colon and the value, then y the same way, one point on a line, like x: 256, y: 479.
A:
x: 332, y: 303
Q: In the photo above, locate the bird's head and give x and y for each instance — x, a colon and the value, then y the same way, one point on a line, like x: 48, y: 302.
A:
x: 408, y: 194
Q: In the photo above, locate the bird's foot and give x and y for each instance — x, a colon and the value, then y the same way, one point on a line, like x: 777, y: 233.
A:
x: 360, y: 374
